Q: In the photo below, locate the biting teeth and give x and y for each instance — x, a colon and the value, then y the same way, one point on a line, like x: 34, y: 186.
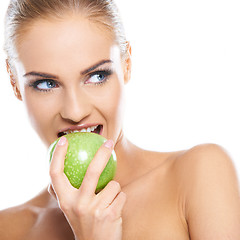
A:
x: 89, y: 129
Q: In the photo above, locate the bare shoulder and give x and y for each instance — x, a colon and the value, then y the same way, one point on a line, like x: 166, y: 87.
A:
x: 208, y: 181
x: 206, y: 160
x: 16, y: 222
x: 201, y: 152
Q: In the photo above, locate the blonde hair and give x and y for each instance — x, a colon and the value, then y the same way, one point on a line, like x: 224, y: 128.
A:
x: 22, y: 13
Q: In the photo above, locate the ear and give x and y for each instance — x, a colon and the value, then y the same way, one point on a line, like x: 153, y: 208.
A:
x: 128, y: 64
x: 13, y: 81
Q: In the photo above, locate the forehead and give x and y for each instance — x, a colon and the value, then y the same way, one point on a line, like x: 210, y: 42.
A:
x: 48, y: 43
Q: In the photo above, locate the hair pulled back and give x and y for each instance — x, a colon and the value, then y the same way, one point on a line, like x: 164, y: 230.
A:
x: 21, y: 13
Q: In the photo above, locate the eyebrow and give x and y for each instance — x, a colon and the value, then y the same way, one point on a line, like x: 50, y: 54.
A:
x: 84, y: 72
x: 40, y: 74
x: 95, y: 66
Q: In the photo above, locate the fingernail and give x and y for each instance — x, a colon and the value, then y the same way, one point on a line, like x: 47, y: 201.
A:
x: 62, y: 141
x: 109, y: 144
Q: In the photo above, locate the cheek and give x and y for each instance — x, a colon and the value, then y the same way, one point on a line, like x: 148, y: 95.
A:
x: 117, y: 101
x: 114, y: 104
x: 40, y: 112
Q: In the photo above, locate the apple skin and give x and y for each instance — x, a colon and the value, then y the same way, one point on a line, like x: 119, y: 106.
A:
x: 82, y: 146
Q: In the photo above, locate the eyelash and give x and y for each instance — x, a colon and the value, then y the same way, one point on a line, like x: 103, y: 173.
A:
x: 35, y: 84
x: 106, y: 73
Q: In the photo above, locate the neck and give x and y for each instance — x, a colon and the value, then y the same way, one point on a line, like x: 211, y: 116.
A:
x: 129, y: 163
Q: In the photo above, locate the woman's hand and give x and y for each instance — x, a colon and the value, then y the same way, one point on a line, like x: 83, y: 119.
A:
x: 91, y: 216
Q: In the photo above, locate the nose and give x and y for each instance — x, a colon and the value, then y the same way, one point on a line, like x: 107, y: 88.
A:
x: 75, y: 106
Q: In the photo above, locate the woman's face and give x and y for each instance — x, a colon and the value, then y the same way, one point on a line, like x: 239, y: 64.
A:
x: 71, y: 77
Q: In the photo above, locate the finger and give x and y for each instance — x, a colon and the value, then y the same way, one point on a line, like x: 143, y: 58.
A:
x: 108, y: 194
x: 95, y: 169
x: 116, y: 207
x: 58, y: 178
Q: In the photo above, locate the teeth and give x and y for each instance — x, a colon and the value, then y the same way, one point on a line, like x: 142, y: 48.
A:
x: 89, y: 129
x: 93, y: 128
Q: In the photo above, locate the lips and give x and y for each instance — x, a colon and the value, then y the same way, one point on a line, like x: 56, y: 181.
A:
x: 84, y: 128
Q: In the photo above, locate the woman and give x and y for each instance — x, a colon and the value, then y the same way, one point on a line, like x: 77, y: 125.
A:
x: 68, y: 62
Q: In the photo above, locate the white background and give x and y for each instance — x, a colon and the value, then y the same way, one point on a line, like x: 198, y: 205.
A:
x: 184, y: 89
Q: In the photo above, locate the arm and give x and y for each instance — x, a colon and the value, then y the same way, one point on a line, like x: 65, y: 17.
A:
x: 91, y: 216
x: 211, y: 194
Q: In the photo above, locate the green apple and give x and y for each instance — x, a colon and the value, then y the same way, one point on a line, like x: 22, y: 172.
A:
x: 82, y: 146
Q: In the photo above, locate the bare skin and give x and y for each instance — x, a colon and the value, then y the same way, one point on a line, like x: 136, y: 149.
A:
x: 139, y: 221
x: 157, y: 201
x: 192, y: 194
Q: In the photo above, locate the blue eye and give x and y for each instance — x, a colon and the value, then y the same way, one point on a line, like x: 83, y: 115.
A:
x: 99, y: 77
x: 44, y: 85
